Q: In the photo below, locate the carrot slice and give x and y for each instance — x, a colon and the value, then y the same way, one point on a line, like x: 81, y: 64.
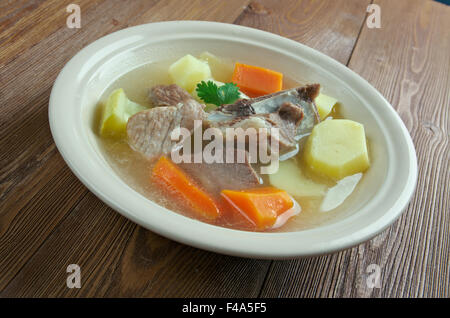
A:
x: 171, y: 178
x: 261, y: 206
x: 257, y: 81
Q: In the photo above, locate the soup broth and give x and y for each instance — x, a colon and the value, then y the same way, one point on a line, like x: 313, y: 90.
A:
x: 135, y: 169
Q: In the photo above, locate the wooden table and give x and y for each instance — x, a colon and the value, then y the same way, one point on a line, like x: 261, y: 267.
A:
x: 49, y: 220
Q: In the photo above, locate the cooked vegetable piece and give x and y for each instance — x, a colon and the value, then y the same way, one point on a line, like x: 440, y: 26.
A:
x: 325, y: 105
x: 171, y: 178
x: 257, y: 81
x: 336, y: 195
x: 188, y: 71
x: 116, y: 112
x: 290, y: 178
x: 210, y: 93
x: 337, y: 148
x: 221, y: 69
x: 261, y: 206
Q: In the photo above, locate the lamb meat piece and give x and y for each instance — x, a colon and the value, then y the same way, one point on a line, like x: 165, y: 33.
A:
x: 215, y: 177
x: 302, y: 96
x: 287, y: 118
x: 168, y: 95
x: 292, y: 111
x: 243, y: 107
x: 307, y: 93
x: 149, y: 131
x: 190, y: 110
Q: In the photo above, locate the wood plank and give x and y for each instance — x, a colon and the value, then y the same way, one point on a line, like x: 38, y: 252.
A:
x: 13, y: 11
x: 103, y: 235
x: 205, y: 10
x: 110, y: 260
x: 50, y: 277
x: 118, y: 258
x: 28, y: 168
x: 141, y: 269
x: 216, y: 279
x: 30, y: 221
x: 35, y: 26
x: 34, y: 50
x: 407, y: 60
x: 331, y: 27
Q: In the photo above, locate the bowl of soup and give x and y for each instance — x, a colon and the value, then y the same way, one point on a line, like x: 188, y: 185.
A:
x: 232, y: 139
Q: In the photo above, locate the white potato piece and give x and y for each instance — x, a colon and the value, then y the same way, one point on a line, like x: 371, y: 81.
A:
x: 291, y: 179
x: 222, y: 69
x: 337, y: 148
x: 116, y: 112
x: 325, y: 105
x: 188, y: 71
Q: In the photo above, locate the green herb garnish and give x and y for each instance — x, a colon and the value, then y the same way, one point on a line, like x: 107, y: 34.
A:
x: 210, y: 93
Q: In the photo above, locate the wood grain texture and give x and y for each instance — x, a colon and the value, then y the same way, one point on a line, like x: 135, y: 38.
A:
x: 27, y: 71
x: 119, y: 258
x: 331, y: 27
x: 29, y: 213
x: 49, y: 220
x: 206, y: 10
x: 407, y: 60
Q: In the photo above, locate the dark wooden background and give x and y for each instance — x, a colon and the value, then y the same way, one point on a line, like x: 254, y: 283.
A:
x: 49, y: 220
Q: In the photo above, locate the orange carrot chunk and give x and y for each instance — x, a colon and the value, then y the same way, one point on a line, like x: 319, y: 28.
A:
x: 261, y: 206
x: 256, y: 81
x: 174, y: 180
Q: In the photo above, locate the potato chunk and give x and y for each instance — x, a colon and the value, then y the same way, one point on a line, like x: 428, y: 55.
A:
x: 222, y: 69
x: 324, y: 105
x: 291, y: 179
x: 337, y: 148
x: 188, y: 71
x: 116, y: 112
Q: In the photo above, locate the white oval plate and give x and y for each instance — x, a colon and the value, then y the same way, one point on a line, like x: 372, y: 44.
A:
x: 383, y: 194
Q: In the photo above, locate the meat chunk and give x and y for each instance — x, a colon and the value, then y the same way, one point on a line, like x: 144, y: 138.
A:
x: 168, y: 95
x: 305, y: 93
x: 149, y: 131
x: 214, y: 177
x: 281, y: 109
x: 189, y: 111
x: 286, y: 119
x: 242, y: 107
x: 292, y: 111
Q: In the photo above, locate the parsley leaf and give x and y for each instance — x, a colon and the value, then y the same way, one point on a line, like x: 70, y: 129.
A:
x: 210, y: 93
